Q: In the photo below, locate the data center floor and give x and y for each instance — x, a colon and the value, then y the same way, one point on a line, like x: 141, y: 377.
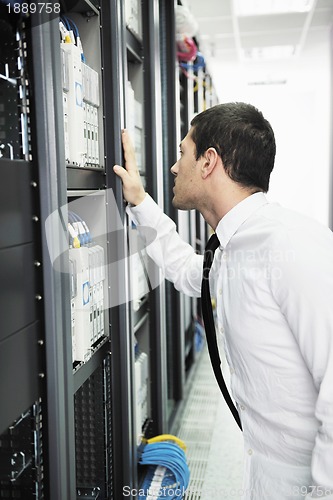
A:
x: 214, y: 442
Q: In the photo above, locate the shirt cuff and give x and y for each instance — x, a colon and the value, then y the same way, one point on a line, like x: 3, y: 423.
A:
x: 147, y: 213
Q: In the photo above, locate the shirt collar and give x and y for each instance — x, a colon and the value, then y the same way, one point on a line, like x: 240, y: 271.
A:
x: 233, y: 219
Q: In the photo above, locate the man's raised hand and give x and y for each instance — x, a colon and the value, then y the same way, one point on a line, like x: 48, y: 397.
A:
x: 133, y: 189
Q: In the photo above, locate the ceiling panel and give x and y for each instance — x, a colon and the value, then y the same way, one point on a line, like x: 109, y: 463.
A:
x: 325, y: 3
x: 217, y: 24
x: 315, y: 37
x: 224, y: 55
x: 268, y: 23
x: 270, y: 39
x: 224, y: 43
x: 322, y: 18
x: 209, y: 7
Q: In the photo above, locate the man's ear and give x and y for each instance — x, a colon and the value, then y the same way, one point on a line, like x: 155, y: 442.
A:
x: 210, y: 160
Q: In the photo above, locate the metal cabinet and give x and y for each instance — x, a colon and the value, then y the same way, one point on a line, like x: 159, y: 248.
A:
x: 70, y: 421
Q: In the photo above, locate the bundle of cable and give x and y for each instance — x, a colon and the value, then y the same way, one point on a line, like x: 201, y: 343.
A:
x: 78, y: 231
x: 168, y: 474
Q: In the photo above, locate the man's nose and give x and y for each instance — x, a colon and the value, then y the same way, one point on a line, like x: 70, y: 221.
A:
x: 174, y: 169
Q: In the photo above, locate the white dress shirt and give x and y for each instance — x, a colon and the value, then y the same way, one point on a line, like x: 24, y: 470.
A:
x: 273, y: 281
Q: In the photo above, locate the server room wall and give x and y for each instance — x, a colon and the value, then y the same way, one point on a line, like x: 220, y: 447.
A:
x: 295, y: 97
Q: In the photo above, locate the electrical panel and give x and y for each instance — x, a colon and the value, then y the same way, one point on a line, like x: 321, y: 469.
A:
x: 87, y: 264
x: 87, y: 299
x: 81, y: 101
x: 74, y: 105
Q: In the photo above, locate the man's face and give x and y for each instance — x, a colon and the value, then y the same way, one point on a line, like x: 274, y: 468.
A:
x: 187, y: 176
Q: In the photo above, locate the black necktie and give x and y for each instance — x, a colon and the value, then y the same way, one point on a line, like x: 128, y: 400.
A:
x: 207, y: 313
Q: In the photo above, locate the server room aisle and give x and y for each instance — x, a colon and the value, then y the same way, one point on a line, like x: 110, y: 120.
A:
x: 214, y: 442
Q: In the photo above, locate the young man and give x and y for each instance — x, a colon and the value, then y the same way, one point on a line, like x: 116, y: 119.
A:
x: 272, y: 277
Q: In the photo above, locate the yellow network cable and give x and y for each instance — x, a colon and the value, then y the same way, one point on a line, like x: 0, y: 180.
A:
x: 73, y: 233
x: 167, y: 437
x: 76, y: 242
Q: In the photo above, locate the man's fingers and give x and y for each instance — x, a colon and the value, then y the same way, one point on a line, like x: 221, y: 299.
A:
x: 120, y: 171
x: 133, y: 190
x: 129, y: 152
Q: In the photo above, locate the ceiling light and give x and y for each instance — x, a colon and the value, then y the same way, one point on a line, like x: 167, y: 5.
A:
x: 266, y: 53
x: 268, y: 7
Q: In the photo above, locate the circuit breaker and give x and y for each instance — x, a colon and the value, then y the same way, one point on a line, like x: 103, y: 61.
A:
x: 80, y: 103
x: 75, y: 113
x: 87, y: 302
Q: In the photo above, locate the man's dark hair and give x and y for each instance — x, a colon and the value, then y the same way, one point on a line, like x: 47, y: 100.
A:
x: 242, y: 137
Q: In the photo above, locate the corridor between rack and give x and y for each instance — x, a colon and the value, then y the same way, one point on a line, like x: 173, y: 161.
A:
x: 214, y: 442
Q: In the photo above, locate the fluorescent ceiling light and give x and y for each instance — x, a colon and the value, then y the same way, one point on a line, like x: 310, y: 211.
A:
x: 266, y: 53
x: 268, y: 7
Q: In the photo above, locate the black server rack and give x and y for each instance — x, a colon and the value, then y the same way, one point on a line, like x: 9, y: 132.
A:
x: 146, y: 325
x: 187, y: 90
x: 196, y: 95
x: 23, y: 433
x: 187, y: 223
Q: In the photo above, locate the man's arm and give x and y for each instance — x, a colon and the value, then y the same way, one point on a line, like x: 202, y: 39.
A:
x: 177, y: 259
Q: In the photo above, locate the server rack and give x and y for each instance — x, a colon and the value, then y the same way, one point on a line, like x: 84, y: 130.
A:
x: 191, y: 103
x: 185, y: 93
x: 145, y: 327
x: 171, y: 138
x: 23, y: 433
x: 78, y: 385
x: 187, y: 219
x: 37, y: 165
x: 178, y: 109
x: 80, y: 410
x: 154, y: 157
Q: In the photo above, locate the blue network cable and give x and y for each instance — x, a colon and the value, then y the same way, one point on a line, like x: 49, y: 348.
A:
x: 81, y: 235
x: 64, y: 20
x: 173, y: 458
x: 71, y: 26
x: 85, y: 236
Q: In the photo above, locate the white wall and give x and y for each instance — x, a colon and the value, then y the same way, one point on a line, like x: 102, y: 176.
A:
x: 299, y: 112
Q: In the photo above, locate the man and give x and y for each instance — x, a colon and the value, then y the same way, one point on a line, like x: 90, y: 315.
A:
x: 272, y: 277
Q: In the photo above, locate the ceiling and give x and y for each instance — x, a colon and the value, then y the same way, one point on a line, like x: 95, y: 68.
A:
x: 223, y: 35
